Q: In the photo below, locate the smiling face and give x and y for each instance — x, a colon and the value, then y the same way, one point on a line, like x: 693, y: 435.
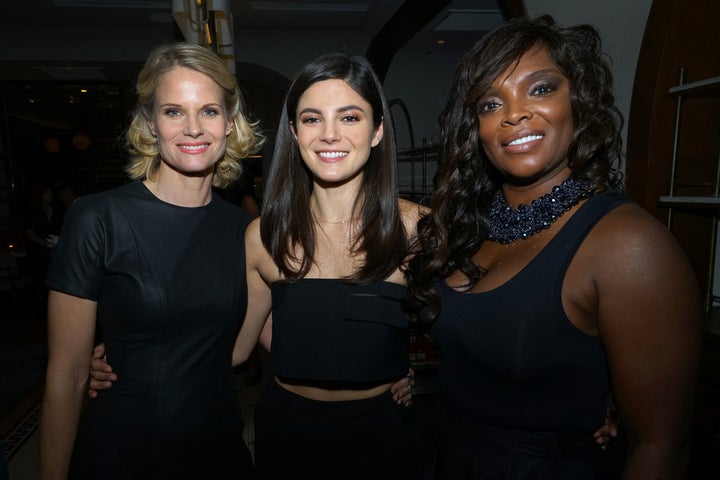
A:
x: 335, y: 132
x: 526, y: 121
x: 190, y: 123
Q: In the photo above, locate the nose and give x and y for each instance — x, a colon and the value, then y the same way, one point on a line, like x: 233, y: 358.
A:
x: 329, y: 132
x: 515, y: 112
x: 193, y: 127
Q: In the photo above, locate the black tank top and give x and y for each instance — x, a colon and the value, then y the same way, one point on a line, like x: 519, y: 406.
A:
x: 510, y: 357
x: 331, y: 333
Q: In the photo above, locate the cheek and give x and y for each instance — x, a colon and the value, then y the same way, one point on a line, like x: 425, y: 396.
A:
x: 302, y: 138
x: 485, y: 137
x: 164, y: 131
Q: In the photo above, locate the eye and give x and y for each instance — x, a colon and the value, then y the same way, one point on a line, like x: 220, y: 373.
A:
x: 543, y: 89
x: 309, y: 120
x: 172, y: 112
x: 488, y: 107
x: 211, y: 112
x: 350, y: 118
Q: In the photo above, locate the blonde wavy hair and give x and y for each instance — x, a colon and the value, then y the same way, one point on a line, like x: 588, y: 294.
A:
x: 244, y: 140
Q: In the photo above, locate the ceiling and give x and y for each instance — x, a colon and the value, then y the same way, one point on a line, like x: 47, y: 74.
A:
x: 106, y: 40
x: 63, y: 61
x: 67, y: 66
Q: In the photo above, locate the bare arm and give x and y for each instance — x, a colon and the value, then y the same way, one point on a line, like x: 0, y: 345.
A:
x: 35, y: 238
x: 71, y: 330
x: 266, y: 334
x: 258, y: 262
x: 649, y: 319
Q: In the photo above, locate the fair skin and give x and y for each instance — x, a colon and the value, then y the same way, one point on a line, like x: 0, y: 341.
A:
x: 335, y: 134
x: 629, y: 283
x: 191, y: 125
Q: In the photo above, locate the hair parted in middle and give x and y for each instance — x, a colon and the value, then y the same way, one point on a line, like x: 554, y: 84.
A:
x: 287, y: 224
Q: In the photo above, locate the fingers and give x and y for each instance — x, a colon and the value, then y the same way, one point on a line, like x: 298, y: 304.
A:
x: 95, y: 385
x: 99, y: 385
x: 99, y: 351
x: 402, y: 391
x: 102, y: 376
x: 99, y: 365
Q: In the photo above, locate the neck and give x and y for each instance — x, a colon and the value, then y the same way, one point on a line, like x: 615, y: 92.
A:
x: 333, y: 206
x: 181, y: 191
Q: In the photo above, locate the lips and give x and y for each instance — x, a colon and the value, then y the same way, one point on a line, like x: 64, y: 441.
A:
x: 522, y: 139
x: 193, y: 148
x: 526, y: 139
x: 332, y: 155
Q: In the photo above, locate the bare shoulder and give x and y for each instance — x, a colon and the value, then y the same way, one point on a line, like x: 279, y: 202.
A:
x: 629, y: 239
x: 257, y: 257
x: 253, y: 242
x: 411, y: 212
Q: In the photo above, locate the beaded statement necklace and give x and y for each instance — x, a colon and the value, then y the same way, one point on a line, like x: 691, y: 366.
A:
x: 508, y: 225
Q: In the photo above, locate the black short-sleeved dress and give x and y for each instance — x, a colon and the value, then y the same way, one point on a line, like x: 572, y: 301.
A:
x: 171, y: 292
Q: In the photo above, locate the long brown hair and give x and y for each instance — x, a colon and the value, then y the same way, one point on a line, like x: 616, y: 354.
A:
x: 287, y: 224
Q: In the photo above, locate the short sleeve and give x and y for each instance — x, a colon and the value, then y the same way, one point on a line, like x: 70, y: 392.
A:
x: 77, y: 265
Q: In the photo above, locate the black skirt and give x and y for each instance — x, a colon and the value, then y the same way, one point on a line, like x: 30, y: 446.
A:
x: 359, y: 439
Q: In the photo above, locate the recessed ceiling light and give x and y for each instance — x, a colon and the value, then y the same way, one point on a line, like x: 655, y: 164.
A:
x: 310, y: 7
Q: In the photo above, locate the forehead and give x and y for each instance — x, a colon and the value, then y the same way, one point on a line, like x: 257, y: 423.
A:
x: 333, y: 92
x: 185, y: 82
x: 535, y: 59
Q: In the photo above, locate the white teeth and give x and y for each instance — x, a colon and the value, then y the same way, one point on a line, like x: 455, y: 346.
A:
x: 527, y: 139
x: 193, y: 147
x: 332, y: 154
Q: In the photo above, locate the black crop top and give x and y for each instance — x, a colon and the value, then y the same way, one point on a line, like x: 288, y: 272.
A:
x: 329, y: 332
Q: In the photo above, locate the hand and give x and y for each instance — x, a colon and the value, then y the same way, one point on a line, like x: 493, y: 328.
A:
x: 610, y: 428
x: 101, y: 376
x: 402, y: 389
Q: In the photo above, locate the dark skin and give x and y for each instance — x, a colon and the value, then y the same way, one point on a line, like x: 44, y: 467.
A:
x: 646, y: 313
x: 629, y: 284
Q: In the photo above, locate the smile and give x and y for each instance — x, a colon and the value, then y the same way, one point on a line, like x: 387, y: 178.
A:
x: 526, y: 139
x: 194, y: 148
x: 332, y: 155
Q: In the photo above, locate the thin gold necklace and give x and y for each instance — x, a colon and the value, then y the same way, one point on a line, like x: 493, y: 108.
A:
x: 318, y: 219
x: 341, y: 222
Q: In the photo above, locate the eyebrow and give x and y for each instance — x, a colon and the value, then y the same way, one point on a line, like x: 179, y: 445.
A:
x: 179, y: 105
x: 540, y: 73
x: 346, y: 108
x: 533, y: 76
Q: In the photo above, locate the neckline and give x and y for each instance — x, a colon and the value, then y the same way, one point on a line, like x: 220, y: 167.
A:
x: 163, y: 202
x: 508, y: 225
x: 334, y: 280
x: 523, y: 271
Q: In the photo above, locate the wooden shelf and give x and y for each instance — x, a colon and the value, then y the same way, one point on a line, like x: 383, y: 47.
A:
x: 691, y: 201
x: 697, y: 87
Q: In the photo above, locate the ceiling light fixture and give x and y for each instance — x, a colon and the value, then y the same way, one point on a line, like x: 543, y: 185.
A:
x: 207, y: 23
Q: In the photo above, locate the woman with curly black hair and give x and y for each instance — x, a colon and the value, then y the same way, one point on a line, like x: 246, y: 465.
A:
x: 544, y: 287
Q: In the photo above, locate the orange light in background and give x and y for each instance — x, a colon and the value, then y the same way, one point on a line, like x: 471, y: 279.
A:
x: 51, y: 144
x: 81, y: 141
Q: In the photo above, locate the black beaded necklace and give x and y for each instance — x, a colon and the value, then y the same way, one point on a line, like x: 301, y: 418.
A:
x: 508, y: 225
